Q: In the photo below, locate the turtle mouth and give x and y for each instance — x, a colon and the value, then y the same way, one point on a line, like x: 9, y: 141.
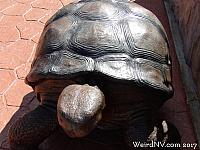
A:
x: 79, y: 109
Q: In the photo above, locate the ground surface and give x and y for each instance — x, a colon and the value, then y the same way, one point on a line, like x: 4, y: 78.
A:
x: 21, y: 22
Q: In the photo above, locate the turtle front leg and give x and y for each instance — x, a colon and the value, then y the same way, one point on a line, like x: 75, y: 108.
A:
x: 32, y: 129
x: 146, y: 132
x: 165, y: 133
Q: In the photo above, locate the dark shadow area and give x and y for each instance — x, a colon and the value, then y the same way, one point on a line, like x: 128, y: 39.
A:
x: 106, y: 141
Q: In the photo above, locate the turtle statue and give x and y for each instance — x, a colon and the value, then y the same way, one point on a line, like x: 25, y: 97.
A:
x: 100, y: 65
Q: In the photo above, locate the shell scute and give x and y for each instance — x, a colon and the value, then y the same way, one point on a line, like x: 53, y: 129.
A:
x: 99, y: 10
x: 95, y: 39
x: 55, y: 36
x: 121, y: 40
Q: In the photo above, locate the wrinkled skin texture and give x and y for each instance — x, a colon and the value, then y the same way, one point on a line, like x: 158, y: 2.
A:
x: 117, y: 46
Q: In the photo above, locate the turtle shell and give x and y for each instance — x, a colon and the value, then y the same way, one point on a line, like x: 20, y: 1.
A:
x: 118, y: 39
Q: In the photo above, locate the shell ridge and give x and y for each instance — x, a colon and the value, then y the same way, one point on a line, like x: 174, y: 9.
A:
x: 55, y: 37
x: 136, y: 66
x: 142, y: 16
x: 99, y: 14
x: 136, y: 51
x: 64, y: 11
x: 160, y: 30
x: 93, y: 49
x: 53, y: 63
x: 104, y: 41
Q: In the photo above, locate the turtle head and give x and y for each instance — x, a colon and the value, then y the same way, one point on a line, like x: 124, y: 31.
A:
x: 79, y: 109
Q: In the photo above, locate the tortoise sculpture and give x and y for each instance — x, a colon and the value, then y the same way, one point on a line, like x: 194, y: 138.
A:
x: 110, y: 61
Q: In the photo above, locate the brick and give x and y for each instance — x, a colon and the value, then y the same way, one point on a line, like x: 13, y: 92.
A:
x: 44, y: 19
x: 22, y: 49
x: 1, y: 16
x: 35, y: 14
x: 24, y: 1
x: 51, y: 4
x: 9, y: 60
x: 2, y: 45
x: 11, y: 21
x: 7, y: 77
x: 8, y: 34
x: 16, y: 54
x: 30, y: 60
x: 23, y: 70
x: 36, y: 38
x: 29, y: 29
x: 17, y: 9
x: 2, y: 102
x: 14, y: 96
x: 6, y: 4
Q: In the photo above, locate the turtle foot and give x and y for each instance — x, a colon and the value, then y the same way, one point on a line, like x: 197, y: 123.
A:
x: 156, y: 137
x: 163, y: 134
x: 32, y: 129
